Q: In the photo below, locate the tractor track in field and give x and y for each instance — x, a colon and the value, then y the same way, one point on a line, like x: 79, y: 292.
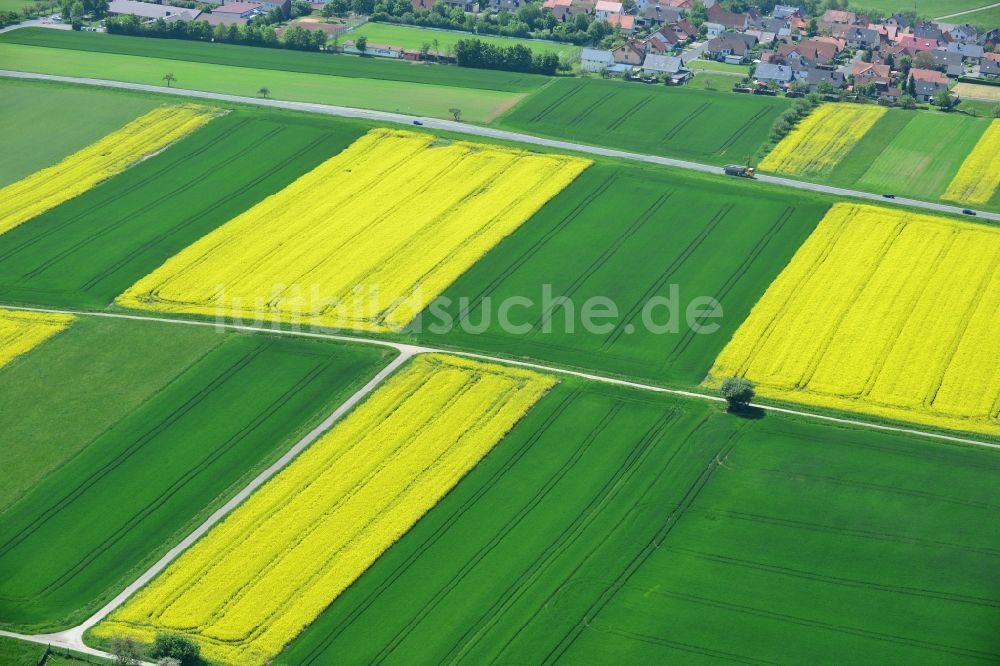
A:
x: 494, y: 133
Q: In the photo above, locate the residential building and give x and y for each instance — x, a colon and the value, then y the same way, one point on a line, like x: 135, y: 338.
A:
x: 729, y: 20
x: 867, y: 72
x: 781, y: 75
x: 730, y: 44
x: 629, y: 53
x: 951, y: 62
x: 861, y: 38
x: 834, y: 17
x: 657, y: 14
x: 928, y: 76
x: 989, y: 68
x: 968, y: 51
x: 605, y: 8
x: 925, y: 90
x: 670, y: 65
x: 624, y: 22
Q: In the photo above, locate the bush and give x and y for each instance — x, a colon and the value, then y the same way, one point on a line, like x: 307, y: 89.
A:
x: 738, y: 392
x: 177, y: 647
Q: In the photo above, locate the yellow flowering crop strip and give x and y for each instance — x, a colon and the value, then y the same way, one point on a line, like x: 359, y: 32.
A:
x: 978, y: 178
x: 822, y: 139
x: 21, y: 331
x: 365, y: 240
x: 266, y: 572
x: 147, y: 134
x: 882, y: 312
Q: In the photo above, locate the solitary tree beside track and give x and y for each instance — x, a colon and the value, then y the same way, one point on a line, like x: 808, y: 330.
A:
x: 169, y: 78
x: 264, y: 92
x: 738, y: 392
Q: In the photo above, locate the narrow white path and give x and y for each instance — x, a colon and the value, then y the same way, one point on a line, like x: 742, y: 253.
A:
x: 967, y: 11
x: 411, y: 350
x: 477, y: 130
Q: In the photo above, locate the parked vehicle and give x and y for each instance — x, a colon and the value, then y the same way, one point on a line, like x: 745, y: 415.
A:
x: 739, y: 170
x: 418, y: 122
x: 968, y: 212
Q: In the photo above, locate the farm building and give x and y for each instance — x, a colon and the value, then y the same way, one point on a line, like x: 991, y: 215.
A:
x: 595, y: 60
x: 239, y: 10
x: 149, y: 12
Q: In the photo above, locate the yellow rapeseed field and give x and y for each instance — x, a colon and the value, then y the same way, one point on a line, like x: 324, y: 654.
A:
x: 21, y: 331
x: 366, y: 240
x: 822, y: 139
x: 883, y: 312
x: 147, y: 134
x: 262, y: 575
x: 978, y: 178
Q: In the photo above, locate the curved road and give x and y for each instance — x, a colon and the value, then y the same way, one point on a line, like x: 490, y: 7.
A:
x: 477, y: 130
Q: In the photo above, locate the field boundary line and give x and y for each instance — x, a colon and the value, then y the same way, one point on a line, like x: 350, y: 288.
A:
x: 494, y: 133
x: 408, y: 350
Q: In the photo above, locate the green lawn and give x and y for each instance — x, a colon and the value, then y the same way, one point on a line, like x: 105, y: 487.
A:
x: 413, y: 37
x: 617, y: 527
x: 90, y: 249
x: 15, y: 652
x: 20, y: 653
x: 380, y: 94
x: 638, y: 236
x: 46, y: 123
x: 85, y: 530
x: 716, y: 66
x: 283, y: 60
x: 677, y: 122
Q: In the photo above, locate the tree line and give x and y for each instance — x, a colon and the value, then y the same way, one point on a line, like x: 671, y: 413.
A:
x: 252, y: 34
x: 516, y: 58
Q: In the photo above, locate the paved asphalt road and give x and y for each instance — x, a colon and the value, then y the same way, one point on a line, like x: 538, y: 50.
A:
x: 449, y: 125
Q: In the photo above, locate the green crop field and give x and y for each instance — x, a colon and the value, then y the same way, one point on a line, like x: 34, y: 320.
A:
x: 413, y: 37
x: 46, y: 123
x: 616, y: 527
x: 421, y: 99
x: 632, y: 235
x: 81, y: 533
x: 90, y: 384
x: 988, y: 18
x: 909, y: 153
x: 690, y: 124
x: 924, y: 8
x: 906, y: 165
x: 90, y: 249
x: 257, y: 58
